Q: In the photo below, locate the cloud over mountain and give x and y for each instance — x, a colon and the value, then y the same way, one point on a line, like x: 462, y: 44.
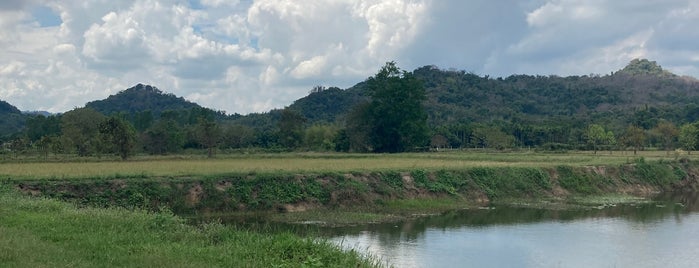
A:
x: 250, y: 56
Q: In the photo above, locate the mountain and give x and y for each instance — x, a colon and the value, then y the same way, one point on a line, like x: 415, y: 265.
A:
x: 642, y: 94
x: 11, y: 119
x: 42, y: 113
x: 141, y: 98
x: 641, y: 89
x: 329, y: 104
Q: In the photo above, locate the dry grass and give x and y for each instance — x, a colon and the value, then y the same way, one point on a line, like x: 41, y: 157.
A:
x: 308, y: 162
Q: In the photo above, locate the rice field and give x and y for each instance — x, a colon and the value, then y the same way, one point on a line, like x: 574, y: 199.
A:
x: 190, y: 165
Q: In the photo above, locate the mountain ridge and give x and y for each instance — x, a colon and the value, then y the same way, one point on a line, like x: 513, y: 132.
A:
x: 631, y: 95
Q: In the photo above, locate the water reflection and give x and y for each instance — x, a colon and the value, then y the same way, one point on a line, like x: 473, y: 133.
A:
x: 658, y: 234
x: 642, y: 235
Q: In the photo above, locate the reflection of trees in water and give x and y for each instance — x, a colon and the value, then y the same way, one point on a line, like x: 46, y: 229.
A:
x: 414, y: 229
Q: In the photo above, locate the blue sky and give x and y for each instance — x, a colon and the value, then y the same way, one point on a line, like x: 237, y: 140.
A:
x: 252, y: 56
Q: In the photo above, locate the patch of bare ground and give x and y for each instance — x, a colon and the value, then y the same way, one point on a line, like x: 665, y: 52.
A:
x: 194, y: 195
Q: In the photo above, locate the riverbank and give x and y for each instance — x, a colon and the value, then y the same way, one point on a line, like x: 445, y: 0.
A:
x: 38, y: 232
x: 369, y: 196
x: 127, y: 220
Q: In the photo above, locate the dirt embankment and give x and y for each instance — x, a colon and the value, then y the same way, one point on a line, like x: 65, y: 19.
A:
x: 299, y: 192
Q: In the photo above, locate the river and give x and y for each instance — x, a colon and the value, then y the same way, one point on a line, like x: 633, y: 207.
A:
x: 661, y: 234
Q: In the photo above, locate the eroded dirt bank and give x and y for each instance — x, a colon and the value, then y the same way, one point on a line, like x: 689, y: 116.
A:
x: 300, y: 192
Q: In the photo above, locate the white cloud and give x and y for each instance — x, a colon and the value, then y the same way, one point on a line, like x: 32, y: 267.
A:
x: 119, y: 42
x: 251, y: 56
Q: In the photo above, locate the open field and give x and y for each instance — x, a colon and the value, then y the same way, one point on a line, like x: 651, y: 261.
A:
x: 180, y: 166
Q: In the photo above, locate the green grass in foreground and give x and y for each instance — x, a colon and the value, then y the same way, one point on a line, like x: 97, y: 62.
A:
x: 307, y: 162
x: 47, y: 233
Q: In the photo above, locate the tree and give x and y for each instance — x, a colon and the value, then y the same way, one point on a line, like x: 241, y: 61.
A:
x: 355, y: 138
x: 163, y: 137
x: 688, y: 137
x: 396, y: 116
x: 610, y: 140
x: 119, y: 136
x: 595, y: 135
x: 320, y: 137
x: 290, y: 125
x: 667, y: 132
x: 439, y: 141
x: 80, y: 129
x: 143, y: 120
x: 41, y: 126
x: 238, y: 136
x: 208, y: 134
x: 634, y: 137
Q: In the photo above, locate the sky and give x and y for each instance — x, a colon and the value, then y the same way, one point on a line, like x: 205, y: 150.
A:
x: 245, y: 56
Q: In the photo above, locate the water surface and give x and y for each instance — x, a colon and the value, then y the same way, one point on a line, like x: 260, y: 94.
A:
x: 664, y: 234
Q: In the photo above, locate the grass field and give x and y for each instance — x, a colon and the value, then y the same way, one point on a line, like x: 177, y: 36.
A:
x: 177, y: 166
x: 37, y: 232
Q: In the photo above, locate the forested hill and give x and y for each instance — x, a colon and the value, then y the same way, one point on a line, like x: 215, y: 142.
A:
x: 11, y: 119
x: 533, y: 110
x: 141, y: 98
x: 639, y: 90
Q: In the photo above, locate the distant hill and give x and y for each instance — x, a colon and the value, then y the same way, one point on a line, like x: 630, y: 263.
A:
x: 458, y: 97
x: 44, y: 113
x: 641, y: 93
x: 328, y: 104
x: 140, y: 98
x: 11, y: 119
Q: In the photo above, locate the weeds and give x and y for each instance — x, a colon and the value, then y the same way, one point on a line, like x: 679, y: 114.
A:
x: 47, y: 233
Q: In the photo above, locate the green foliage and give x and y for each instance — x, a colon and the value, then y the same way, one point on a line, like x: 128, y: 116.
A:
x: 291, y: 126
x: 238, y: 136
x: 208, y: 134
x: 656, y: 173
x: 667, y: 133
x: 138, y: 99
x: 321, y: 137
x: 645, y: 67
x: 42, y: 126
x: 578, y: 181
x: 118, y: 136
x: 392, y: 179
x: 47, y: 233
x: 510, y: 182
x: 595, y: 135
x: 689, y: 137
x: 163, y: 137
x: 634, y: 137
x: 395, y: 115
x: 11, y: 120
x: 80, y: 129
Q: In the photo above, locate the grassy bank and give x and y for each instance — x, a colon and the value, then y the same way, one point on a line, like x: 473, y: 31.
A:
x: 107, y: 222
x: 36, y: 232
x: 196, y: 166
x: 366, y: 191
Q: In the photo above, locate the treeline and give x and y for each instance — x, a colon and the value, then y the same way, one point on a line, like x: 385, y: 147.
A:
x: 638, y: 107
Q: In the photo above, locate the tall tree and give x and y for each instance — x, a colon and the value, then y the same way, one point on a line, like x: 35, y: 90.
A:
x: 209, y: 134
x: 80, y: 129
x: 688, y: 137
x: 610, y: 140
x: 667, y: 132
x: 166, y: 136
x: 119, y: 136
x: 396, y: 115
x: 634, y: 137
x: 291, y: 128
x: 595, y: 135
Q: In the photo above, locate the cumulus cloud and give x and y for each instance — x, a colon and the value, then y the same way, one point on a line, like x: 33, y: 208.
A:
x: 252, y: 56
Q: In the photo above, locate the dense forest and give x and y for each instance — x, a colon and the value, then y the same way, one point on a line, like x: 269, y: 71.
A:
x: 637, y: 107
